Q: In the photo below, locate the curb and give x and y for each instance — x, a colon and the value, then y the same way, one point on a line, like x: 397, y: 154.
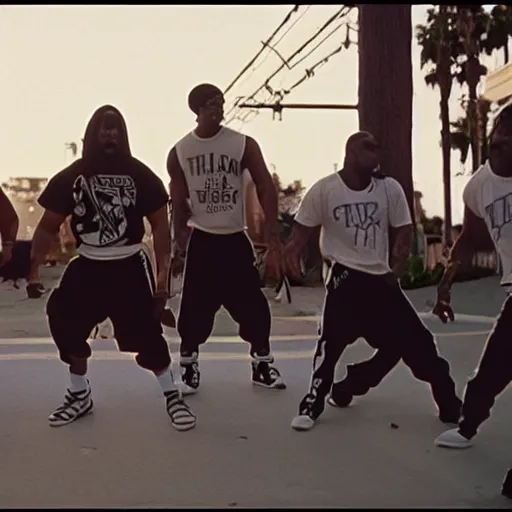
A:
x: 459, y: 318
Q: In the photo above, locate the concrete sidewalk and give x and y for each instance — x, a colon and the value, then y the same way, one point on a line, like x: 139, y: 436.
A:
x: 21, y: 317
x: 479, y: 297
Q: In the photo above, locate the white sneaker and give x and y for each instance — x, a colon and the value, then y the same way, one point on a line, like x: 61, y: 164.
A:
x: 453, y: 439
x: 182, y: 417
x: 302, y: 422
x: 76, y: 404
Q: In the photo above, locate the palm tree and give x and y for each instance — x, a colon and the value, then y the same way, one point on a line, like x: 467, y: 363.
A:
x: 460, y: 138
x: 500, y: 29
x: 440, y: 49
x: 472, y: 23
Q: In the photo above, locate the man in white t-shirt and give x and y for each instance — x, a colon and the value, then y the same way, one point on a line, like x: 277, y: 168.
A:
x: 488, y: 205
x: 355, y: 208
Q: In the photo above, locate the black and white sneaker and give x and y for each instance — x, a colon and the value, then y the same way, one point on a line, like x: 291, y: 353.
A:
x: 190, y: 376
x: 182, y: 417
x: 76, y: 404
x: 305, y: 420
x: 263, y: 374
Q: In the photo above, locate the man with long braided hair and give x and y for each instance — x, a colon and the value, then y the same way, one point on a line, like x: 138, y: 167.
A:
x: 488, y: 205
x: 108, y: 194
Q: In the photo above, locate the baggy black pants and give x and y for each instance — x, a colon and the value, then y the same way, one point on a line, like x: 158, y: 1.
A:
x: 90, y: 291
x: 363, y: 305
x: 220, y: 271
x: 493, y: 375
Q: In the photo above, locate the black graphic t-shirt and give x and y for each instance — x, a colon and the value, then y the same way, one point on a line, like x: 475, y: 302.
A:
x: 107, y: 208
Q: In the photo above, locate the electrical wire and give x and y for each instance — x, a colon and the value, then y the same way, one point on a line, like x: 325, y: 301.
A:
x: 342, y: 12
x: 278, y: 95
x: 265, y: 45
x: 338, y: 15
x: 269, y: 51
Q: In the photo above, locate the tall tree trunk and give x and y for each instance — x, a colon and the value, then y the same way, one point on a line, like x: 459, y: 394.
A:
x: 445, y: 80
x: 473, y: 115
x: 483, y: 110
x: 447, y: 174
x: 466, y: 29
x: 385, y: 87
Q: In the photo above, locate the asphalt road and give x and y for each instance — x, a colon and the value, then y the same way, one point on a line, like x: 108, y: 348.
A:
x: 243, y: 452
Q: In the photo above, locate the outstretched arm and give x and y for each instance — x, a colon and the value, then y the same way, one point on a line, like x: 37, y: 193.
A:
x: 253, y: 161
x: 309, y: 216
x: 179, y: 196
x: 401, y: 227
x: 462, y: 251
x: 162, y: 246
x: 44, y: 235
x: 402, y: 242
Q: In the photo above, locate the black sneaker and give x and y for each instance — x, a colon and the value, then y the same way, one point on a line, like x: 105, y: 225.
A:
x: 76, y: 404
x: 182, y: 417
x: 263, y: 374
x: 190, y: 374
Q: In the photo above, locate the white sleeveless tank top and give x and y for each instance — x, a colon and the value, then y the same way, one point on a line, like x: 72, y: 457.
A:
x: 213, y: 171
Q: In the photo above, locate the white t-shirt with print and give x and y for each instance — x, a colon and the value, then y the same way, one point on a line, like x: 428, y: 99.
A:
x: 355, y: 224
x: 489, y: 196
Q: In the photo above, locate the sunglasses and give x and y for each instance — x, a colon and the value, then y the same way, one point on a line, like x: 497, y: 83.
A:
x: 216, y: 101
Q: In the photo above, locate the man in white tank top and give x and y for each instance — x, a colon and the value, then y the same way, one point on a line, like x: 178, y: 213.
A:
x: 488, y: 206
x: 356, y: 209
x: 207, y: 194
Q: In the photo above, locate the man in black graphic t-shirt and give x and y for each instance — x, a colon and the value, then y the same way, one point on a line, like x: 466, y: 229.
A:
x: 108, y: 193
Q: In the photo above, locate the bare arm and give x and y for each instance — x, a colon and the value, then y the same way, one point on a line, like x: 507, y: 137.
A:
x: 44, y: 235
x: 462, y: 251
x: 9, y: 221
x: 293, y: 249
x: 402, y: 241
x: 299, y: 238
x: 162, y: 246
x: 265, y: 188
x: 179, y: 195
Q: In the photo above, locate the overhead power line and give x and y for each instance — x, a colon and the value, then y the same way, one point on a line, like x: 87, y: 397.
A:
x: 287, y: 61
x: 342, y: 12
x: 271, y: 48
x: 265, y: 44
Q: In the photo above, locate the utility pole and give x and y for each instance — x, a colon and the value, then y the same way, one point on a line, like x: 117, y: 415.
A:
x: 385, y: 87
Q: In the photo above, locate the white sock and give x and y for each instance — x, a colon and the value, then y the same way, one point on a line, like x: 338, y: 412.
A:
x: 166, y: 381
x: 78, y: 382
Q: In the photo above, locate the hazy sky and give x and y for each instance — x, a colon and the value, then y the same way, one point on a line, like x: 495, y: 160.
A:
x: 59, y: 63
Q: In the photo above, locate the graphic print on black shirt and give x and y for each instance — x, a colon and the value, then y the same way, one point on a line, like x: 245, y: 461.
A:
x: 100, y: 208
x: 107, y: 192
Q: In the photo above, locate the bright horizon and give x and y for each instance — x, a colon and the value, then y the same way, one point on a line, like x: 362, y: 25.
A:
x: 60, y: 63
